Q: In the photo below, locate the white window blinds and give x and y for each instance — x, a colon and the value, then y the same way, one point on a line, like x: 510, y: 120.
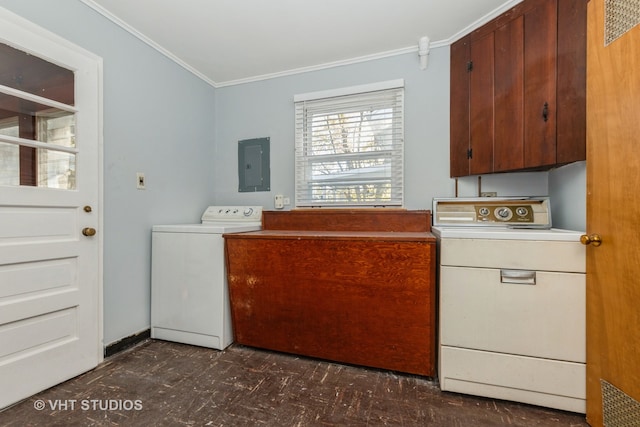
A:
x: 349, y: 148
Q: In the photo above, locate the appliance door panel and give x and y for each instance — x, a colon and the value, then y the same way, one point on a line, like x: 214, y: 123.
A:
x: 545, y: 319
x: 550, y: 383
x: 514, y: 254
x: 188, y: 292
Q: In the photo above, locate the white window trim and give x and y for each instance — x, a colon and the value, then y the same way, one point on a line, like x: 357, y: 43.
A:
x: 351, y: 90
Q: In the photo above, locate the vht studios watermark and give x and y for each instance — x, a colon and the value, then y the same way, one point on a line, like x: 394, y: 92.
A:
x: 88, y: 405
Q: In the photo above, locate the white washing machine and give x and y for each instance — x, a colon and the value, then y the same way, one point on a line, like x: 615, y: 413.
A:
x: 189, y: 292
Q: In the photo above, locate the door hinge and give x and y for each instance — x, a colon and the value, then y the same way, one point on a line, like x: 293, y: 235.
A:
x: 470, y: 153
x: 470, y: 66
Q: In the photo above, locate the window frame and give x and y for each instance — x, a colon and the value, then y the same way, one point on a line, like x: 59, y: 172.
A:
x: 357, y: 100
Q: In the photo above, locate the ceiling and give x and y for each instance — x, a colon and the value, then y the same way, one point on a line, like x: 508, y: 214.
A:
x: 233, y: 41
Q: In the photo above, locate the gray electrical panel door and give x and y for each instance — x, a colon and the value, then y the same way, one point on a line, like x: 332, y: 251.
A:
x: 253, y: 165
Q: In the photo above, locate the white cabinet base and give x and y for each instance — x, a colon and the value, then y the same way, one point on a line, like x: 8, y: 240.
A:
x: 512, y: 318
x: 550, y: 383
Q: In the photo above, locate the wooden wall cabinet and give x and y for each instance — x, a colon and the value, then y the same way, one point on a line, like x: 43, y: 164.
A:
x: 518, y: 87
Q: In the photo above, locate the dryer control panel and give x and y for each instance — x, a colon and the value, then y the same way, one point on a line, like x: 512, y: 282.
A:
x: 526, y: 212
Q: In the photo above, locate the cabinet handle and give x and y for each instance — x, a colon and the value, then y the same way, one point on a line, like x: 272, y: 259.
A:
x: 518, y: 277
x: 545, y: 112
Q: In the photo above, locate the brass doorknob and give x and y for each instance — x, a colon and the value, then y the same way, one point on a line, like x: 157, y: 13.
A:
x: 593, y: 239
x: 88, y: 231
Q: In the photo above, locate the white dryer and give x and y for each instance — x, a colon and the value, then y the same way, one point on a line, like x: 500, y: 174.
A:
x: 189, y: 292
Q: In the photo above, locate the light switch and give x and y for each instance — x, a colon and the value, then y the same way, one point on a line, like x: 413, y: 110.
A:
x: 140, y: 183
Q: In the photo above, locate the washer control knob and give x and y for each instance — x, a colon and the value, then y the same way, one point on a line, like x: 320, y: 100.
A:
x: 248, y: 212
x: 484, y: 211
x: 522, y: 211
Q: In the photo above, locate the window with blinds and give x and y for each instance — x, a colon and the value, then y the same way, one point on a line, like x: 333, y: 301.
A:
x: 349, y: 146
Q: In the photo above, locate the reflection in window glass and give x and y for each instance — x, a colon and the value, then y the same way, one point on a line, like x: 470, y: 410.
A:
x: 56, y: 169
x: 57, y: 127
x: 9, y: 154
x: 53, y: 125
x: 9, y: 127
x: 28, y: 73
x: 9, y: 164
x: 31, y: 119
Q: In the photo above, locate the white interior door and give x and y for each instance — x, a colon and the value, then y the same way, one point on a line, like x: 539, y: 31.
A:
x: 50, y: 177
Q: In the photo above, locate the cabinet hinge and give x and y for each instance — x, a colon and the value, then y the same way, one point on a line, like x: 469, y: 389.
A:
x: 470, y: 153
x: 470, y: 66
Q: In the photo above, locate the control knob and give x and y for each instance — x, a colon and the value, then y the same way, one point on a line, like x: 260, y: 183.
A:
x: 503, y: 213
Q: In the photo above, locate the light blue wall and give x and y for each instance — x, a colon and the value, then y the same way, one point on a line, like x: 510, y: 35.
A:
x: 568, y: 192
x: 157, y: 120
x: 265, y: 108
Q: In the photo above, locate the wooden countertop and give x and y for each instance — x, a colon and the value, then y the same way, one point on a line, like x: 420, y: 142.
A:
x: 396, y: 236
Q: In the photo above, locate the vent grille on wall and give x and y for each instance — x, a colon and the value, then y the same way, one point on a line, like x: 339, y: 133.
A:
x: 618, y: 408
x: 619, y: 17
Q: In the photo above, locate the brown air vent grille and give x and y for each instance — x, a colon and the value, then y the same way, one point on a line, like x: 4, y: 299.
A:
x: 618, y: 408
x: 619, y: 17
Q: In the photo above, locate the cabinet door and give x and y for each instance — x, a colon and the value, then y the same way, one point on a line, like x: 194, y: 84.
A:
x: 540, y: 41
x: 459, y: 108
x: 525, y: 90
x: 509, y: 96
x: 571, y: 95
x: 481, y: 87
x: 472, y: 116
x: 524, y: 96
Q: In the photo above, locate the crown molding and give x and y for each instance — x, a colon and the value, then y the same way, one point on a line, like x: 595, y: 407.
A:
x: 480, y: 22
x: 147, y: 40
x: 320, y: 66
x: 441, y: 43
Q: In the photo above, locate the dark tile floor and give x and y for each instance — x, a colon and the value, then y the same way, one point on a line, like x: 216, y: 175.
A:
x: 159, y: 383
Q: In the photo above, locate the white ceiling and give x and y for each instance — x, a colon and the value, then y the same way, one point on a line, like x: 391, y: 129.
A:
x: 233, y: 41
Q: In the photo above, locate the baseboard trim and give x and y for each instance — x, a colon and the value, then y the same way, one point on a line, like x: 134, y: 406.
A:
x: 127, y: 342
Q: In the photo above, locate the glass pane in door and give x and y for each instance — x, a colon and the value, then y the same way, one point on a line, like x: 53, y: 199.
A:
x: 25, y: 114
x: 28, y: 73
x: 42, y: 167
x: 9, y: 164
x: 22, y: 118
x: 56, y: 127
x: 56, y: 169
x: 9, y: 154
